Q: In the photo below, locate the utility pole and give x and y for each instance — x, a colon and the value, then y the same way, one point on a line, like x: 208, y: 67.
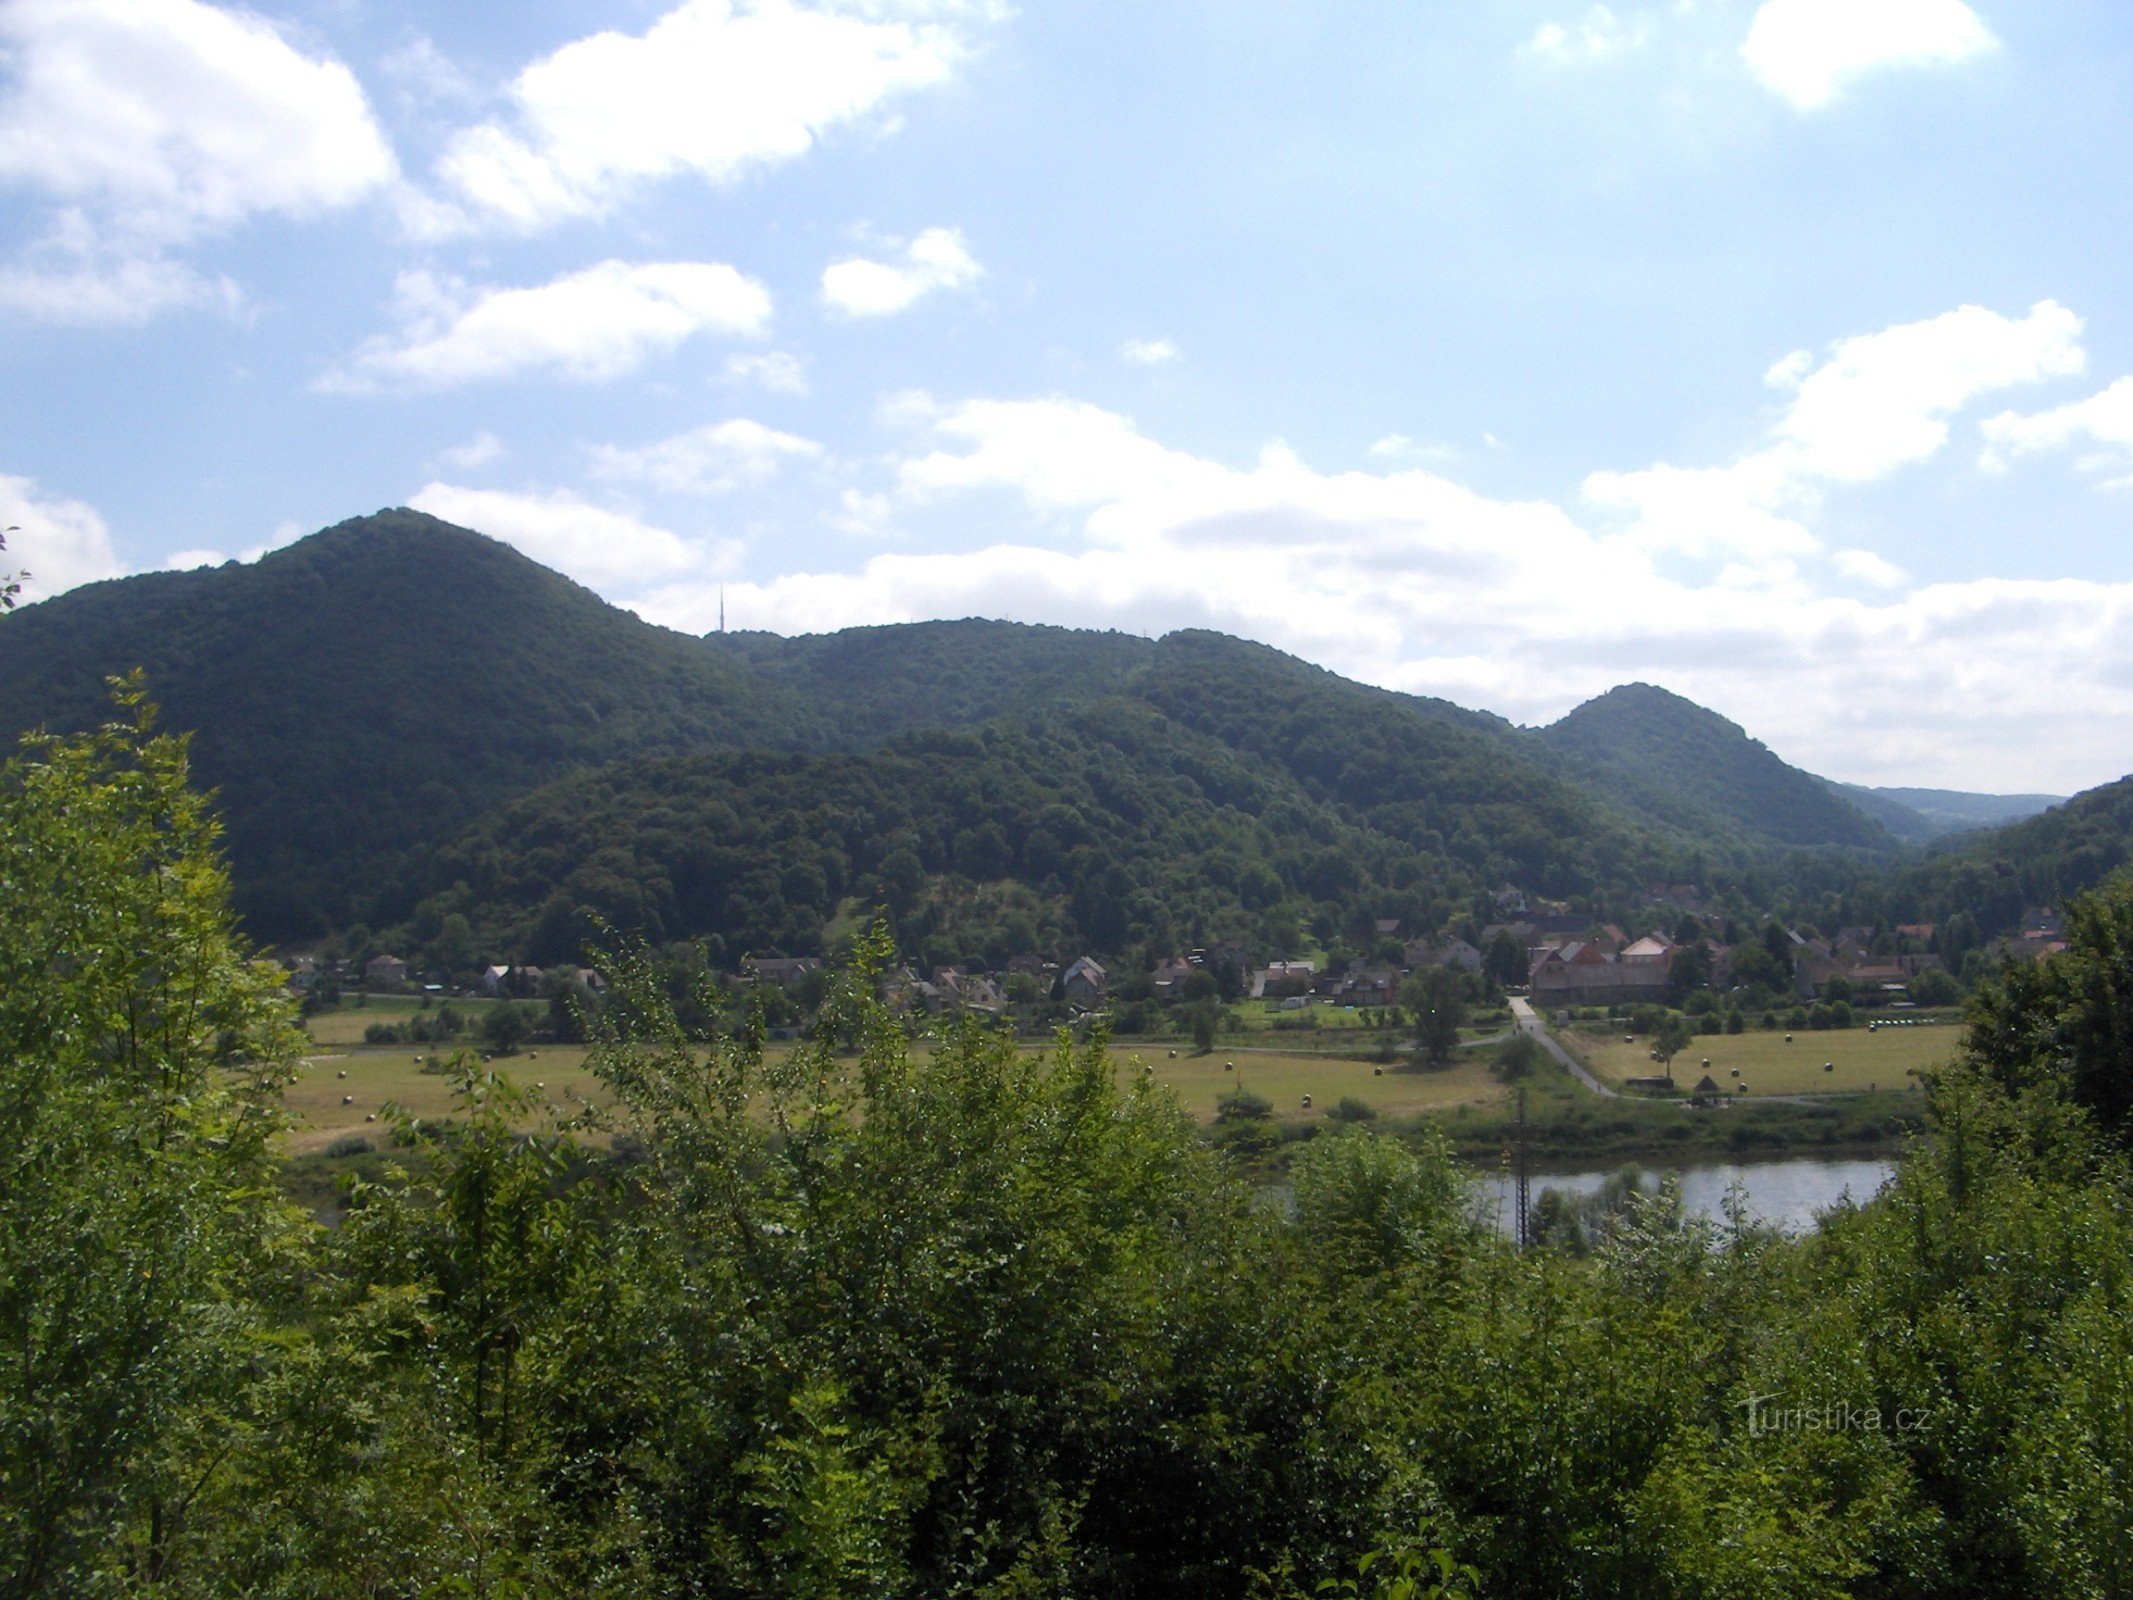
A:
x: 1525, y: 1209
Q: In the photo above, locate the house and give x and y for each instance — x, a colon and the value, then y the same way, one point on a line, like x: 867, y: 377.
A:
x: 1375, y: 988
x: 1034, y: 966
x: 1170, y: 975
x: 385, y: 972
x: 1653, y: 947
x: 1581, y: 973
x: 1387, y: 927
x: 980, y: 993
x: 303, y: 974
x: 784, y: 971
x: 1085, y: 982
x: 494, y: 979
x: 1452, y: 952
x: 1282, y: 978
x: 1227, y: 953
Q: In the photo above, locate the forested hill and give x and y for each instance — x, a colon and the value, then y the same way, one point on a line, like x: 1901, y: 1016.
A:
x: 1918, y: 816
x: 870, y: 684
x: 1991, y: 878
x: 367, y: 700
x: 1106, y: 826
x: 384, y: 681
x: 1670, y: 758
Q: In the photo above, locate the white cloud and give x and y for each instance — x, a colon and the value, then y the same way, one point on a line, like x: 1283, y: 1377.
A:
x: 936, y: 259
x: 1600, y: 36
x: 53, y: 542
x: 1876, y: 403
x: 594, y: 544
x: 56, y: 281
x: 1882, y: 400
x: 713, y: 459
x: 1711, y: 579
x: 774, y: 370
x: 425, y: 75
x: 1148, y: 352
x: 149, y: 123
x: 599, y: 323
x: 286, y: 533
x: 1411, y: 581
x: 1808, y: 51
x: 2104, y: 419
x: 478, y: 451
x: 178, y: 116
x: 715, y: 87
x: 1863, y: 566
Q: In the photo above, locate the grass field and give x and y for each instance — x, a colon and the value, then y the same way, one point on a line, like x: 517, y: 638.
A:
x: 1882, y: 1059
x: 1283, y: 1079
x: 368, y: 1079
x: 346, y: 1025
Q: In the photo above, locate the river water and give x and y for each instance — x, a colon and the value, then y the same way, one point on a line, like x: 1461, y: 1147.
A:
x: 1785, y: 1194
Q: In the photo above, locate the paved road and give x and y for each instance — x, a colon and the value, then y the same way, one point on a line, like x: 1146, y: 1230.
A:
x: 1528, y: 1022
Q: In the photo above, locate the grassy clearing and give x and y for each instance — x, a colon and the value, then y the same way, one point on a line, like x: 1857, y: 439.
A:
x: 1284, y: 1079
x: 1569, y: 1128
x: 369, y: 1080
x: 346, y: 1025
x: 1882, y: 1059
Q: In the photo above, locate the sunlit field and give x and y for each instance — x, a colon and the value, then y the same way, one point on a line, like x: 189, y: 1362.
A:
x: 347, y: 1090
x: 1882, y: 1059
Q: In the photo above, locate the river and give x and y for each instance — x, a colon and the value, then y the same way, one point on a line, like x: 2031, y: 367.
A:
x: 1785, y: 1194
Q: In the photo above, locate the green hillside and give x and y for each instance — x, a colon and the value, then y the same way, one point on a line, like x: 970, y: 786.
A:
x: 869, y: 684
x: 1671, y: 760
x: 1918, y: 816
x: 379, y: 683
x: 1105, y: 827
x: 407, y: 722
x: 1993, y: 877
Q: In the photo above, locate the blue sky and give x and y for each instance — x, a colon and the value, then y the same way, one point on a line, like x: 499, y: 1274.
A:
x: 1778, y: 351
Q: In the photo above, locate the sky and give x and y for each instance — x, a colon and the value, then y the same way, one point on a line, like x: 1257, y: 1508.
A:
x: 1776, y: 351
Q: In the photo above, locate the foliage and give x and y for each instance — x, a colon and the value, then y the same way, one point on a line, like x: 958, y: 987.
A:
x: 2067, y: 1021
x: 1436, y: 1001
x: 141, y: 1051
x: 976, y: 1322
x: 10, y: 582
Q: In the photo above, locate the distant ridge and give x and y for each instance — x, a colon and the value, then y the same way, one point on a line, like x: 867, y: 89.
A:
x: 414, y: 727
x: 1672, y: 758
x: 1918, y: 816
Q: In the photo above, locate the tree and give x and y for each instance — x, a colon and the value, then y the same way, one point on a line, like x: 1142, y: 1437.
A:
x: 10, y: 582
x: 1436, y: 1001
x: 1674, y: 1037
x: 2067, y: 1021
x: 1204, y: 1016
x: 506, y: 1028
x: 1504, y: 960
x: 142, y: 1051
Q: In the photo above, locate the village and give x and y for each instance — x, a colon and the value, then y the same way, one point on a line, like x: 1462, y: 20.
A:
x: 1561, y: 959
